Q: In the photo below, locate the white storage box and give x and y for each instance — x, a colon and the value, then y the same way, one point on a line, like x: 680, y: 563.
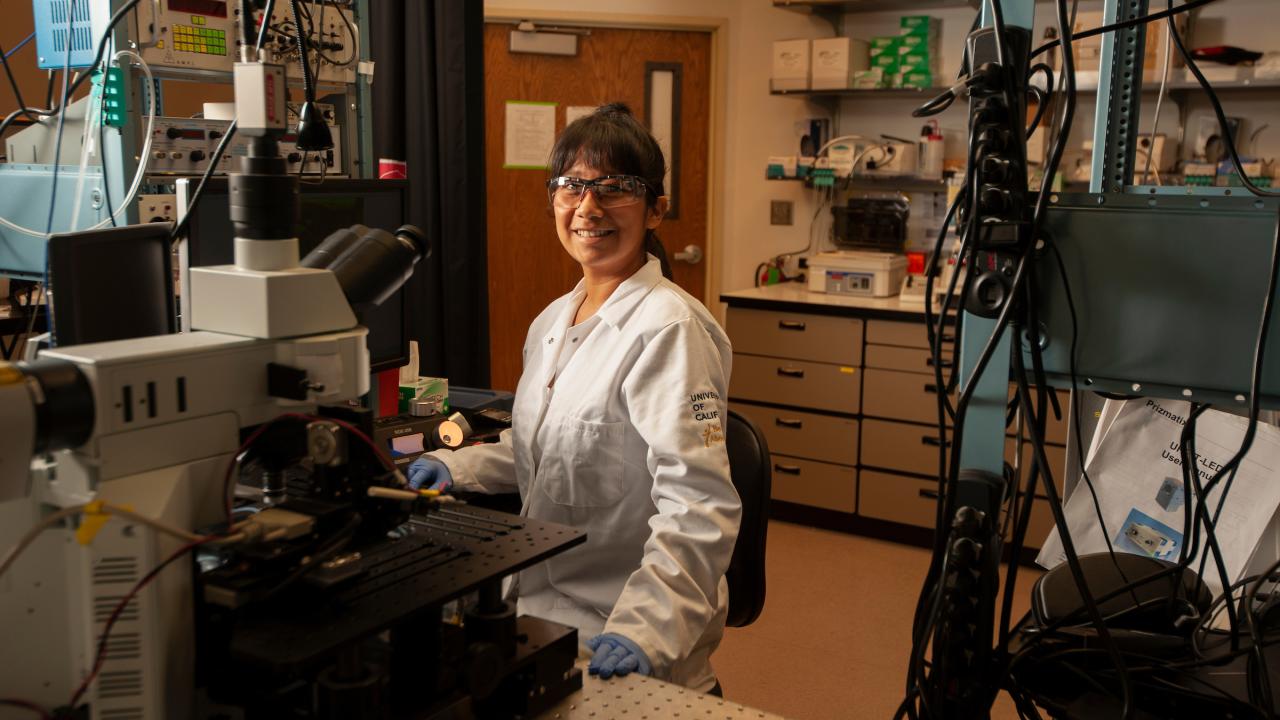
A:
x: 835, y: 61
x: 790, y: 65
x: 856, y: 272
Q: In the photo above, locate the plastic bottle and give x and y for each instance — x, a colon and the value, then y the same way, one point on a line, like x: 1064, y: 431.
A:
x: 931, y: 151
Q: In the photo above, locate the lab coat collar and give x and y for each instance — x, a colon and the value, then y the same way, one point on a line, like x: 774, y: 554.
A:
x: 629, y: 294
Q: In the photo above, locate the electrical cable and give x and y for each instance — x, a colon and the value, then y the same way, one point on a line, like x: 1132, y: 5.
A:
x: 1155, y: 116
x: 229, y: 475
x: 1103, y: 29
x: 13, y: 82
x: 180, y: 228
x: 304, y: 43
x: 27, y: 705
x: 21, y: 44
x: 101, y: 655
x: 267, y: 12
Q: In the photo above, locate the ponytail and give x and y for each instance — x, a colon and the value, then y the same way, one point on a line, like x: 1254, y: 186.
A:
x: 653, y: 246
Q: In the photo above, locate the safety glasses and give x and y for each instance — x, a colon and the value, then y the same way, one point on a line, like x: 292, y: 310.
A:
x: 611, y: 191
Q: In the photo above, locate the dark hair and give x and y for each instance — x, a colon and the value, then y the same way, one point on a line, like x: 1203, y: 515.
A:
x: 612, y: 139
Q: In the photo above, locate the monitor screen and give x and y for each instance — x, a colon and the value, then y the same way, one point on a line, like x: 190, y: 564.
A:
x: 333, y: 204
x: 111, y: 284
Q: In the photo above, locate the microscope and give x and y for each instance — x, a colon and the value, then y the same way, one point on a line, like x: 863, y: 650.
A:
x: 301, y: 576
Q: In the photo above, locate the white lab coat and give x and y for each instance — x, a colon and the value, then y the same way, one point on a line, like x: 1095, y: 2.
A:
x: 631, y: 445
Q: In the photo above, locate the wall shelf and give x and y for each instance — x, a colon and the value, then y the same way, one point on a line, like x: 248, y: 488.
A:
x: 1178, y: 86
x: 882, y: 184
x: 821, y: 7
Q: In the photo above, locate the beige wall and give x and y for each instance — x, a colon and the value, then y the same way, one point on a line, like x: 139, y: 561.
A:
x: 756, y: 125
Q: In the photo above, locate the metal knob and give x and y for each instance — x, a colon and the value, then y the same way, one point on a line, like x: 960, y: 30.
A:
x: 691, y: 254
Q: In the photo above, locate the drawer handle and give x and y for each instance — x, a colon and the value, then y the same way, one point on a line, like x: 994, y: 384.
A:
x: 931, y: 388
x: 930, y: 494
x: 788, y: 469
x: 948, y: 338
x: 941, y: 363
x: 794, y: 424
x: 791, y: 325
x: 791, y: 372
x: 933, y: 441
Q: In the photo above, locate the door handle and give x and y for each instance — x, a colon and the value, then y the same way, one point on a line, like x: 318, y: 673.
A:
x: 691, y: 254
x: 790, y: 325
x: 788, y: 469
x: 930, y: 494
x: 932, y: 441
x: 790, y: 372
x: 794, y: 424
x: 931, y: 388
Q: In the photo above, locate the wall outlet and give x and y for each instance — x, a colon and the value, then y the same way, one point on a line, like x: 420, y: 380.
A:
x: 780, y: 212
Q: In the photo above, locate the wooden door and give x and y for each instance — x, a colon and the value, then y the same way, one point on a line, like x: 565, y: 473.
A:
x: 527, y: 267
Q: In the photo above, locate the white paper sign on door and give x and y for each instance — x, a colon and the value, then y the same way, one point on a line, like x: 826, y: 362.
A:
x: 530, y: 133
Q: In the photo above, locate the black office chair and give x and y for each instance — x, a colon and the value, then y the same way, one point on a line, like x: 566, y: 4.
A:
x: 752, y: 475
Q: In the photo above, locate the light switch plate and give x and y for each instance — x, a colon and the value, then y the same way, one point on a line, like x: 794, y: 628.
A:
x: 780, y: 212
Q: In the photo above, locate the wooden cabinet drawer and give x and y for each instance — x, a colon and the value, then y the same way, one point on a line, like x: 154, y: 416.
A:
x: 888, y: 357
x: 820, y: 338
x: 899, y: 395
x: 898, y: 498
x: 834, y: 487
x: 796, y: 382
x: 899, y: 446
x: 806, y: 435
x: 904, y: 334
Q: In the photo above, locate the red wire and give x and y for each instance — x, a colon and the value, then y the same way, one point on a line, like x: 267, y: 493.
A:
x: 226, y: 480
x: 115, y: 614
x: 27, y: 705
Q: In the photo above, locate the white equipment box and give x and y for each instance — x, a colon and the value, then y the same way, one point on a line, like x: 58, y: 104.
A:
x: 857, y: 272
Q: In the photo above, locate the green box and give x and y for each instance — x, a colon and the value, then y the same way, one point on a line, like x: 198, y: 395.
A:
x: 916, y: 43
x: 914, y: 22
x: 916, y: 59
x: 915, y: 78
x: 884, y: 46
x: 887, y: 63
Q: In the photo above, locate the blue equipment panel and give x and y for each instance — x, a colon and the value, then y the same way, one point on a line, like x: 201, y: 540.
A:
x: 53, y: 28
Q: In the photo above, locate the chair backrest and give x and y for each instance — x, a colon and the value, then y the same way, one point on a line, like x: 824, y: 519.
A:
x: 752, y: 475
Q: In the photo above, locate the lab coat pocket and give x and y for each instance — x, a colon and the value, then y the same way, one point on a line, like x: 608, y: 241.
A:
x: 586, y: 468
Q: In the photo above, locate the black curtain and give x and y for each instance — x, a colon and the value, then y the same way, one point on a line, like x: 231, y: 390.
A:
x: 428, y: 110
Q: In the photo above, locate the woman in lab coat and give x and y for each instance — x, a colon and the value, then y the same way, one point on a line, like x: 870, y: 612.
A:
x: 618, y: 425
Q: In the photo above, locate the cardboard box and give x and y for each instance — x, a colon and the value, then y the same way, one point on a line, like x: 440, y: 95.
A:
x: 835, y: 60
x: 790, y: 65
x: 883, y: 43
x: 915, y: 77
x: 919, y: 60
x: 869, y: 79
x: 1088, y: 51
x: 920, y: 25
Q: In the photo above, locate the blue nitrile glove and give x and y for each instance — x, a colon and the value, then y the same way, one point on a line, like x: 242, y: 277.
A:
x: 430, y: 472
x: 616, y: 655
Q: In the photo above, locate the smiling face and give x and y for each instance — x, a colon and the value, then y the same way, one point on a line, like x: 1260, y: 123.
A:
x: 606, y: 242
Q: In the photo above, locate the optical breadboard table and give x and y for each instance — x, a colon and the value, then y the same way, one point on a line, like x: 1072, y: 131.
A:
x: 636, y: 697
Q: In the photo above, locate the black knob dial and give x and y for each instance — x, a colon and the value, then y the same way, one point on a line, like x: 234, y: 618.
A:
x: 196, y: 155
x: 295, y: 157
x: 173, y: 133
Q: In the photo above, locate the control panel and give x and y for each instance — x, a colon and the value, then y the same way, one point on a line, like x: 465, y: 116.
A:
x: 157, y: 208
x: 183, y: 146
x: 204, y: 35
x: 187, y: 34
x: 334, y: 41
